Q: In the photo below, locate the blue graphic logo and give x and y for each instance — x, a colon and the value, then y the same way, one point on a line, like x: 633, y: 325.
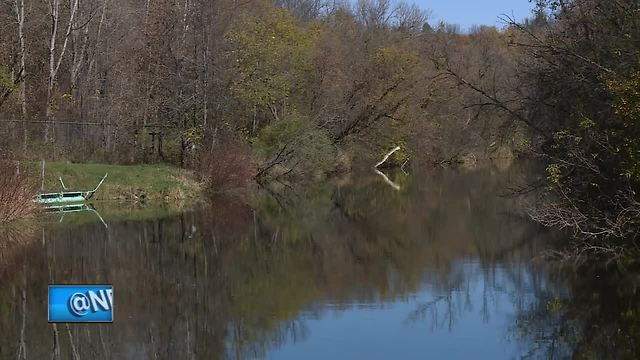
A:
x: 71, y: 303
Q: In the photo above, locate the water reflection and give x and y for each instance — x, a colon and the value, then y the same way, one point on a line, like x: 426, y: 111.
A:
x: 350, y: 269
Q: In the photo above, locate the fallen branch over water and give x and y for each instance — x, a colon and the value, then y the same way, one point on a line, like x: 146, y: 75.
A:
x: 387, y: 156
x: 387, y: 180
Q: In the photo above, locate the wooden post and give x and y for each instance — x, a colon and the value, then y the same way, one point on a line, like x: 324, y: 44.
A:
x: 160, y: 153
x: 153, y: 144
x: 42, y: 186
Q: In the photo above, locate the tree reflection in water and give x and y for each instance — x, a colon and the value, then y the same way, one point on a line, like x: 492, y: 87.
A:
x: 246, y: 279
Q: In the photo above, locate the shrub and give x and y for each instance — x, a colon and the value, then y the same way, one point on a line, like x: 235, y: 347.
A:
x: 17, y: 188
x: 226, y: 165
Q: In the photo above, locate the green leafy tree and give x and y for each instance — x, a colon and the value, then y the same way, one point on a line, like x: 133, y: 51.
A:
x: 627, y: 106
x: 584, y: 95
x: 271, y: 55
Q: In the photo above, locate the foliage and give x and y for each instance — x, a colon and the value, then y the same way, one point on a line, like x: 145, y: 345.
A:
x: 583, y: 93
x: 626, y: 94
x: 395, y: 62
x: 297, y: 144
x: 7, y: 84
x: 359, y: 71
x: 271, y: 54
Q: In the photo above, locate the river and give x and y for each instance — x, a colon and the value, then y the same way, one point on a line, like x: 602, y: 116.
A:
x: 436, y: 265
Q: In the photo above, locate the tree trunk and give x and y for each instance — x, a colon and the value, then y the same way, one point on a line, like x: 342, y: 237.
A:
x: 19, y: 7
x: 54, y: 8
x: 54, y: 64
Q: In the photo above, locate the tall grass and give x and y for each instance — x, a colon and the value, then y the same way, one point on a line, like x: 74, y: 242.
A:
x: 17, y: 188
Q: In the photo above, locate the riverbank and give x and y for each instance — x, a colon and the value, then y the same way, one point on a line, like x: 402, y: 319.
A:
x: 138, y: 183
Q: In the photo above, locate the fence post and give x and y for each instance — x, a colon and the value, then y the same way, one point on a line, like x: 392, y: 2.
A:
x: 42, y: 175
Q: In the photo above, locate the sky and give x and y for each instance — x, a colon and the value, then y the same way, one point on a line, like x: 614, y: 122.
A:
x: 474, y: 12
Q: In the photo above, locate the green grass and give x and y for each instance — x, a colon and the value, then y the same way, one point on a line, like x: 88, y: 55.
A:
x: 125, y: 182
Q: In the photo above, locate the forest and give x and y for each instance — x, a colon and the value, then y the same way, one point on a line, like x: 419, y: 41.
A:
x: 246, y: 91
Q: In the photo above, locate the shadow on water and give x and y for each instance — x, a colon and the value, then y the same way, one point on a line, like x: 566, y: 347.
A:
x: 352, y: 269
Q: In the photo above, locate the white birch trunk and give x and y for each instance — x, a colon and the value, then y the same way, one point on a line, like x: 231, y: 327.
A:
x: 79, y: 56
x: 54, y: 64
x: 54, y: 8
x: 92, y: 61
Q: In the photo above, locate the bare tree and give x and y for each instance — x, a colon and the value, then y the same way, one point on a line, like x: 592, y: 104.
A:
x: 55, y: 60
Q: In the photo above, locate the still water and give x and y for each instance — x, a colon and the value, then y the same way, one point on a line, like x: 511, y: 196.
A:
x: 443, y: 268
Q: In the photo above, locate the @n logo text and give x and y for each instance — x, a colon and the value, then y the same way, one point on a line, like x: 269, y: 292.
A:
x: 71, y: 303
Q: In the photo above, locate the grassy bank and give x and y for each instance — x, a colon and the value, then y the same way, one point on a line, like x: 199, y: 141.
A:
x: 140, y: 183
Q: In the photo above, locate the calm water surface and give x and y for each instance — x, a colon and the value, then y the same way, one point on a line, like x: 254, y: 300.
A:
x: 352, y: 269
